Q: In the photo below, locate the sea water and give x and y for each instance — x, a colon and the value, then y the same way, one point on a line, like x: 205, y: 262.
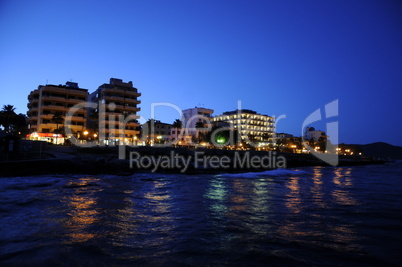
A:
x: 307, y: 216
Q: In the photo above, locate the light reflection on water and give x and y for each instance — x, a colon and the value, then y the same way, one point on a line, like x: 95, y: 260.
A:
x: 317, y: 189
x: 82, y: 210
x: 205, y: 220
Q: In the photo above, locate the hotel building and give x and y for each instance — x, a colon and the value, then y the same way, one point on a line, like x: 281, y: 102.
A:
x: 116, y: 116
x: 48, y: 100
x: 254, y: 128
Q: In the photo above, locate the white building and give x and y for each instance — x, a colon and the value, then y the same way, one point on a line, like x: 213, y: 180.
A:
x: 192, y: 116
x: 316, y: 136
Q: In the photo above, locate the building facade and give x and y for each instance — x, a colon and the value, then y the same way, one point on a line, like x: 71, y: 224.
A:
x: 51, y: 101
x: 155, y: 131
x: 314, y: 135
x: 192, y: 116
x: 254, y: 129
x: 115, y: 117
x: 181, y: 137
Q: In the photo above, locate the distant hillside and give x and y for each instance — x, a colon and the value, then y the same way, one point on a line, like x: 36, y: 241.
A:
x: 382, y: 150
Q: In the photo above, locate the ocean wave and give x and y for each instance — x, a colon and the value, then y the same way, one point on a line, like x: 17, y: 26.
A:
x: 277, y: 172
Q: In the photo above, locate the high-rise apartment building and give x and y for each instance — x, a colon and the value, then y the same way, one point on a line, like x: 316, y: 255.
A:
x: 116, y: 115
x: 50, y: 100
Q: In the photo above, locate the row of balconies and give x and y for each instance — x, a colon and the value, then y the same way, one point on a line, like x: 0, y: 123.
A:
x: 131, y: 91
x: 256, y: 132
x: 58, y: 98
x: 244, y: 117
x: 69, y: 91
x: 121, y: 98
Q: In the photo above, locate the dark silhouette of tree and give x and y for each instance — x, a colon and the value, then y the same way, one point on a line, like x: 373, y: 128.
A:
x: 7, y: 114
x: 222, y: 134
x: 177, y: 124
x: 201, y: 132
x: 20, y: 124
x: 266, y: 136
x: 13, y: 123
x: 58, y: 119
x: 199, y: 125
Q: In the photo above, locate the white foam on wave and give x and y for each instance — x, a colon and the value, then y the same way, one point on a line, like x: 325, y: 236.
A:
x: 276, y: 172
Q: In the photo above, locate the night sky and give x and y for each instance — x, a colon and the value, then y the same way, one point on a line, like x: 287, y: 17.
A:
x: 277, y: 57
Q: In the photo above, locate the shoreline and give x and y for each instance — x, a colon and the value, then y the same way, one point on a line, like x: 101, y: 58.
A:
x: 104, y: 160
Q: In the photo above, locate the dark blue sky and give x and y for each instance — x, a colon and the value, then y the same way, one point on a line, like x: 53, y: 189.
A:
x: 277, y: 57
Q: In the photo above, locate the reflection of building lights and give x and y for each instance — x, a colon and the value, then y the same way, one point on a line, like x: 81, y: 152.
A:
x: 159, y: 137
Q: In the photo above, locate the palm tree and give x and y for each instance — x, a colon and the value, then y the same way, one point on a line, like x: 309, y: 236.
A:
x: 6, y: 116
x: 199, y: 125
x: 177, y: 124
x: 200, y: 135
x: 58, y: 119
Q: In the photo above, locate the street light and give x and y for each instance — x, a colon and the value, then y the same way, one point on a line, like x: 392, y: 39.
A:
x: 85, y: 135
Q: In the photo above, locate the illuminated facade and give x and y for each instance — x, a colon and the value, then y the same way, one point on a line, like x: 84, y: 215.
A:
x: 48, y: 100
x: 253, y: 128
x: 116, y: 116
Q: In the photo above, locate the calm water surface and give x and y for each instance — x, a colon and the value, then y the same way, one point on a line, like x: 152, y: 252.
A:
x: 309, y: 216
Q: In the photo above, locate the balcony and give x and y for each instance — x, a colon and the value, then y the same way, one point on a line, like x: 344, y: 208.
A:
x: 54, y: 107
x: 35, y: 109
x: 132, y: 92
x: 65, y: 91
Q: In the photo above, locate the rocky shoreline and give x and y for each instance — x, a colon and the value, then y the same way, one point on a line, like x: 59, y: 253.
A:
x: 105, y: 160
